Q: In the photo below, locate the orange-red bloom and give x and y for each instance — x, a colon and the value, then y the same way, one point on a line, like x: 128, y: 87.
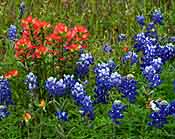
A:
x: 125, y: 49
x: 11, y: 74
x: 42, y: 104
x: 27, y: 116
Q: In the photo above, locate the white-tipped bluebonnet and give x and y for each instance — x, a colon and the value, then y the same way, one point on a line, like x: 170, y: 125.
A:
x: 140, y: 40
x: 12, y: 33
x: 166, y: 52
x: 151, y: 31
x: 83, y: 64
x: 81, y: 98
x: 21, y: 9
x: 87, y: 108
x: 5, y: 92
x: 55, y: 87
x: 116, y: 112
x: 102, y: 72
x: 69, y: 81
x: 152, y: 76
x: 140, y: 20
x: 111, y: 65
x: 116, y: 79
x: 122, y: 37
x: 172, y: 39
x: 31, y: 81
x: 171, y: 108
x: 128, y: 88
x: 157, y: 64
x: 3, y: 112
x: 107, y: 48
x: 157, y: 16
x: 78, y: 92
x: 62, y: 115
x: 160, y: 114
x: 130, y: 56
x: 158, y: 119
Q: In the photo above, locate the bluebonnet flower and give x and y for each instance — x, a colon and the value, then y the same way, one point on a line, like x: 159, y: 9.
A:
x: 5, y: 92
x: 140, y: 20
x: 128, y: 88
x: 54, y: 87
x: 116, y: 79
x: 83, y: 64
x: 151, y: 75
x: 172, y: 39
x: 130, y: 56
x: 62, y: 115
x: 69, y: 81
x: 31, y: 81
x: 116, y: 112
x: 102, y: 72
x: 171, y: 108
x: 87, y: 108
x: 166, y: 52
x: 105, y: 80
x: 159, y: 117
x: 78, y: 92
x: 107, y: 48
x: 3, y: 112
x: 21, y: 9
x: 151, y: 31
x: 157, y: 64
x: 101, y: 95
x: 81, y: 98
x: 111, y: 65
x: 12, y: 33
x: 140, y: 39
x: 122, y: 37
x: 157, y: 17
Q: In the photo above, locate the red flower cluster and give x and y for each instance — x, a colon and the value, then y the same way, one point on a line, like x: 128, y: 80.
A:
x: 10, y: 74
x: 35, y: 40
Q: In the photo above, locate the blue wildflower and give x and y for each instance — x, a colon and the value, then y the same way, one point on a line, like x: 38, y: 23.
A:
x: 54, y: 87
x: 111, y: 65
x: 116, y: 79
x: 159, y: 116
x: 152, y: 32
x: 69, y: 81
x: 128, y: 87
x: 5, y: 92
x: 21, y: 9
x: 12, y: 33
x: 83, y: 64
x: 102, y: 72
x: 122, y: 37
x: 81, y: 98
x: 140, y: 20
x: 62, y: 115
x: 166, y: 52
x: 158, y: 119
x: 157, y: 17
x: 157, y: 64
x: 107, y: 48
x: 130, y: 56
x: 3, y: 112
x: 172, y: 39
x: 116, y: 112
x: 31, y: 81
